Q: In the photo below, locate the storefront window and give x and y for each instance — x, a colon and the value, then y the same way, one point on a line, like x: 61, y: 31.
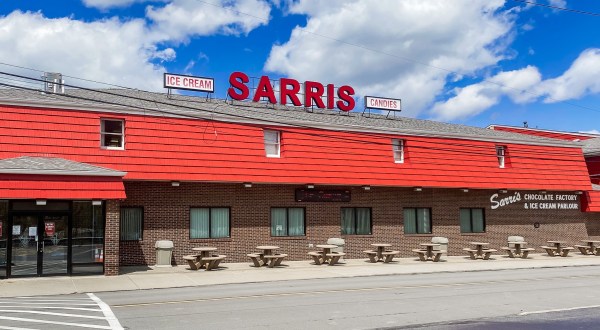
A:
x: 417, y: 221
x: 287, y: 221
x: 211, y: 222
x: 88, y: 238
x: 472, y: 221
x: 356, y: 221
x: 3, y: 236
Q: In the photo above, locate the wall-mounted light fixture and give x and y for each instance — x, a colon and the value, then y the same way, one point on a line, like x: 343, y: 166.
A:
x: 366, y: 187
x: 248, y: 184
x: 96, y: 203
x: 40, y: 202
x: 175, y: 183
x: 503, y: 191
x: 418, y: 189
x: 310, y: 186
x: 543, y: 192
x: 579, y: 192
x: 465, y: 189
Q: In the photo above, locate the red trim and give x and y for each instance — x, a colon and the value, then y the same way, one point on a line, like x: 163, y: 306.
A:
x: 19, y: 186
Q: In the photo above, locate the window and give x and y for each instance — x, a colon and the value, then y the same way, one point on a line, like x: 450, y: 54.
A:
x: 272, y: 143
x: 398, y: 148
x: 417, y: 221
x: 287, y: 221
x: 472, y: 221
x: 500, y: 153
x: 112, y: 134
x: 209, y: 222
x: 132, y: 220
x: 356, y: 221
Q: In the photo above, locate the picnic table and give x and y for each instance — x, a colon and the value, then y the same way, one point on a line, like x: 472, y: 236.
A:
x: 267, y: 256
x: 381, y: 254
x: 557, y: 248
x: 326, y: 255
x: 590, y: 247
x: 427, y: 253
x: 518, y: 250
x: 480, y: 251
x: 204, y: 259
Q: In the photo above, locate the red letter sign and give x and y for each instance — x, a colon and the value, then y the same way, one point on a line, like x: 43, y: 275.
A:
x: 237, y: 80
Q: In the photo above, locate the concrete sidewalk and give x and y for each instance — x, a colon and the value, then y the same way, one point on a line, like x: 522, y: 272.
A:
x: 140, y: 278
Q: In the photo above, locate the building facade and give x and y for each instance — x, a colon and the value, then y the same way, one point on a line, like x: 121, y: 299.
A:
x: 90, y: 180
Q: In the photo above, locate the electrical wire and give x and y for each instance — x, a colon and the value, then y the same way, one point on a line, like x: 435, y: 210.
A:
x: 533, y: 3
x: 333, y: 137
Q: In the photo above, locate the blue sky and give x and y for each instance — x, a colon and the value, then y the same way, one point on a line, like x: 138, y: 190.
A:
x: 476, y: 62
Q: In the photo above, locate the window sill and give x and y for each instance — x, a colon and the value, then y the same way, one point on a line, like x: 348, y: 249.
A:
x: 205, y: 240
x: 112, y: 148
x: 419, y: 235
x: 358, y: 235
x: 285, y: 238
x: 473, y: 234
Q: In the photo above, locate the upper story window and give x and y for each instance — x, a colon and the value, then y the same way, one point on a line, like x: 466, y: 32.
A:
x: 272, y: 143
x: 112, y: 134
x: 501, y: 154
x: 398, y: 148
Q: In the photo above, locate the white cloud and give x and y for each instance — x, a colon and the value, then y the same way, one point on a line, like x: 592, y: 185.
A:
x: 110, y: 51
x: 408, y: 41
x: 123, y: 52
x: 593, y: 131
x: 524, y: 86
x: 180, y: 20
x: 474, y: 99
x: 558, y: 3
x: 579, y: 80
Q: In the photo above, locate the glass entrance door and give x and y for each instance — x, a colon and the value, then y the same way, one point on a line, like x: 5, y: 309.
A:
x: 39, y: 245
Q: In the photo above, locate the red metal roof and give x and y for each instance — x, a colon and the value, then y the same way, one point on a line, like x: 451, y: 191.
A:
x: 21, y: 186
x: 568, y: 136
x: 198, y: 150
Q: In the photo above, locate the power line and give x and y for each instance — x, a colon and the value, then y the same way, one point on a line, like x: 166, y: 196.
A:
x: 536, y: 156
x: 557, y: 8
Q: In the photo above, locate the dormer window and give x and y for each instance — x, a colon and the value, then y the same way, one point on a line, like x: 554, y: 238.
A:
x: 272, y: 143
x: 398, y: 149
x: 501, y: 154
x: 112, y: 134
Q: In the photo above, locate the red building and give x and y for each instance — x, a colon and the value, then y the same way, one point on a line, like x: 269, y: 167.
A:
x: 90, y: 180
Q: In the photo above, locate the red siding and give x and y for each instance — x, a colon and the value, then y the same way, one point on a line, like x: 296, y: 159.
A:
x: 554, y: 135
x: 160, y: 148
x: 60, y: 187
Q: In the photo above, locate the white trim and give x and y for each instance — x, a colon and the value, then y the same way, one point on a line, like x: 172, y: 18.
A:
x: 276, y: 144
x: 492, y: 126
x: 103, y: 134
x: 398, y: 148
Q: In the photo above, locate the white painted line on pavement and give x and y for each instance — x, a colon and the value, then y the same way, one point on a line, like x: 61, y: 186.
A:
x: 110, y: 316
x: 48, y: 300
x: 558, y: 310
x: 57, y: 307
x: 13, y: 328
x: 53, y: 322
x: 41, y: 303
x: 51, y: 313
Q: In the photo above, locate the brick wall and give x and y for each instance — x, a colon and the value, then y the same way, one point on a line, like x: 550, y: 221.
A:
x: 166, y: 216
x: 111, y: 238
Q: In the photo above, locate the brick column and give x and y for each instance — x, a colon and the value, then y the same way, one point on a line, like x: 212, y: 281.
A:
x: 112, y: 238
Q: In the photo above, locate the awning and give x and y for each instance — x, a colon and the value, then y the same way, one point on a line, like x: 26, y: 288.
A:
x: 58, y: 178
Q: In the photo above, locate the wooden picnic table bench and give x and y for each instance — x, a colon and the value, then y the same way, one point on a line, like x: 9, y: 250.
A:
x: 520, y: 253
x: 213, y: 262
x: 557, y: 251
x: 475, y: 253
x: 334, y: 257
x: 275, y: 259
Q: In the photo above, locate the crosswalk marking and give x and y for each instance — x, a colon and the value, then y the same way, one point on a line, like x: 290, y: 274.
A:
x: 89, y: 312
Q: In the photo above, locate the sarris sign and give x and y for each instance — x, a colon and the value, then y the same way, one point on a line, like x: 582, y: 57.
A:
x: 533, y: 201
x: 317, y: 94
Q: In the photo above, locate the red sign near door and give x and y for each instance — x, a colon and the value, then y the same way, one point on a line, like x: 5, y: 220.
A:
x: 49, y: 228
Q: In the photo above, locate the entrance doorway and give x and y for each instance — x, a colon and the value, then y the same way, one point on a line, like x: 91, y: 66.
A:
x: 40, y: 244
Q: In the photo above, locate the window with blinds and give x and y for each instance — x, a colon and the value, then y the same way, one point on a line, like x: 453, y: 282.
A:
x: 417, y: 221
x: 132, y: 223
x: 209, y: 222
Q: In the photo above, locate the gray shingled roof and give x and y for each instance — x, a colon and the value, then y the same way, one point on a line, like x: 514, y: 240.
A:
x: 591, y: 147
x: 158, y: 104
x: 53, y: 166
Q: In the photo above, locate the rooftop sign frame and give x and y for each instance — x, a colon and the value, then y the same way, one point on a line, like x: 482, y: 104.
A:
x: 190, y: 83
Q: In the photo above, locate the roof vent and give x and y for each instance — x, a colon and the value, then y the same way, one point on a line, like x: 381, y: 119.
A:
x: 53, y: 83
